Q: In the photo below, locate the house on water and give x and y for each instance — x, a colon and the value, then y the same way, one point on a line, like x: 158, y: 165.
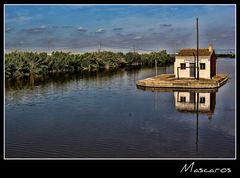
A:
x: 185, y: 65
x: 193, y: 69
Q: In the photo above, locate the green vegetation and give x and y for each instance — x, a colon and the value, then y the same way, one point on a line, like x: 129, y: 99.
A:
x: 226, y: 55
x: 29, y: 64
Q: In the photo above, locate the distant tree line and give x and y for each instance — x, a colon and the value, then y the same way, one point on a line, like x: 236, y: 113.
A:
x: 226, y: 55
x: 31, y: 64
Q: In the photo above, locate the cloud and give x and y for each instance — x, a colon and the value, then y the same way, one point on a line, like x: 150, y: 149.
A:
x: 54, y: 26
x: 138, y: 37
x: 18, y: 18
x: 174, y: 8
x: 165, y: 25
x: 150, y: 29
x: 37, y: 29
x: 81, y: 29
x: 158, y: 33
x: 23, y: 19
x: 9, y: 30
x: 100, y: 30
x: 117, y: 29
x: 226, y: 35
x: 130, y: 34
x: 67, y: 26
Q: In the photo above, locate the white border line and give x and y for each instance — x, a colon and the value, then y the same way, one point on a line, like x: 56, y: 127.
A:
x: 124, y: 158
x: 4, y: 83
x: 235, y: 82
x: 120, y: 4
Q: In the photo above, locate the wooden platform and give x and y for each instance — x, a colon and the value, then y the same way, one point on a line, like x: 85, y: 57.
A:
x: 169, y: 81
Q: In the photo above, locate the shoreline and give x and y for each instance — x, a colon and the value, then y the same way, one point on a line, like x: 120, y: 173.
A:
x: 169, y: 81
x: 30, y: 64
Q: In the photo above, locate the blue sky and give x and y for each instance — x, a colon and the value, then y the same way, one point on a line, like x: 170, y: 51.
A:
x: 118, y: 27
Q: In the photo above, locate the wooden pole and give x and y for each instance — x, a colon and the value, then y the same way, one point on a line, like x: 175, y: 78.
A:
x: 197, y: 54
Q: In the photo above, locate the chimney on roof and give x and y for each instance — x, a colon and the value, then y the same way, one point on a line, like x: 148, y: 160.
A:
x: 210, y: 47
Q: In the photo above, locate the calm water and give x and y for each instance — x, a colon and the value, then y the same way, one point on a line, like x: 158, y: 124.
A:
x: 104, y: 115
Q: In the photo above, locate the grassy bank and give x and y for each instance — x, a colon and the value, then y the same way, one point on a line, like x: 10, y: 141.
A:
x: 29, y: 64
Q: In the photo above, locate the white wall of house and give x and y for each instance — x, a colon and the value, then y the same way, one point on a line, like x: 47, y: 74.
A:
x: 205, y: 106
x: 205, y: 73
x: 185, y: 73
x: 187, y: 106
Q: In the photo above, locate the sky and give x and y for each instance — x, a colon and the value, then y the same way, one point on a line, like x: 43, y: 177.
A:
x: 81, y: 28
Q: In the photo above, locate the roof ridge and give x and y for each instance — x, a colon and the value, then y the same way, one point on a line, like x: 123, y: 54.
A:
x: 193, y: 51
x: 193, y: 48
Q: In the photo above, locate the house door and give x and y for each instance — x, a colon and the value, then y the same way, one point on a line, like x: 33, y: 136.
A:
x: 192, y: 97
x: 192, y: 70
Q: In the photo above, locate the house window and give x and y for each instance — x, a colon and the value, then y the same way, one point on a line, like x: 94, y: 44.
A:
x: 202, y: 99
x: 202, y: 66
x: 182, y: 99
x: 183, y: 65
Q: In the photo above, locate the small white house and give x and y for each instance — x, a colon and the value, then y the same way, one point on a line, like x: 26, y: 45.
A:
x: 187, y: 102
x: 185, y: 65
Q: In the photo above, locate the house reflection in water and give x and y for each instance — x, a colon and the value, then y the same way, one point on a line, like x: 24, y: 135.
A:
x: 197, y: 102
x: 191, y: 101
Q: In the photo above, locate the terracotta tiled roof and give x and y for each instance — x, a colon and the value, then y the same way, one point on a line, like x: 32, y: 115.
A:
x: 192, y: 52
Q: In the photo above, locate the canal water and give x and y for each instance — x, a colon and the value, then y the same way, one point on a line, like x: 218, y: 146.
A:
x: 104, y: 115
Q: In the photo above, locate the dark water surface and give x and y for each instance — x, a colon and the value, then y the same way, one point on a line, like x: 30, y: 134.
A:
x: 105, y: 116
